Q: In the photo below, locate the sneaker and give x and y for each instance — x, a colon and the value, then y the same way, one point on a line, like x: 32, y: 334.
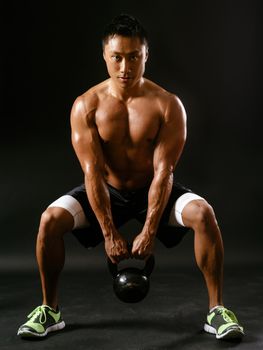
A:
x: 223, y: 323
x: 41, y: 321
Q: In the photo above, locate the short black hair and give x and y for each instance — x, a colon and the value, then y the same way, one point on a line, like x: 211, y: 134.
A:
x: 125, y: 25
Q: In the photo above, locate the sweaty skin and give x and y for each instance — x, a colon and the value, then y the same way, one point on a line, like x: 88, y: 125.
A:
x: 128, y: 132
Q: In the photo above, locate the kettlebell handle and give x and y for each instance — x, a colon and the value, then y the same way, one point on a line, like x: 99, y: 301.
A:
x: 149, y: 265
x: 113, y: 268
x: 146, y: 271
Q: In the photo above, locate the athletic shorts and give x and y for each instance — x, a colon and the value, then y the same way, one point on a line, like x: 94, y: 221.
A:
x: 125, y: 206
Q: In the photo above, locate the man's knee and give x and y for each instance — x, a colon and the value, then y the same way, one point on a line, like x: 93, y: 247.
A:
x: 198, y: 214
x: 55, y: 221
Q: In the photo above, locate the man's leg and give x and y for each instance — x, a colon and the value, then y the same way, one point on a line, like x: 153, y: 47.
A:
x: 208, y: 245
x: 50, y: 250
x: 60, y: 217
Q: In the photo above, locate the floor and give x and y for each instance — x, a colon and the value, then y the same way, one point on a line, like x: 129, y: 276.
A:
x: 171, y: 316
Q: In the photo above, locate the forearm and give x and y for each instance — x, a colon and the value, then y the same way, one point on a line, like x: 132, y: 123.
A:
x: 158, y: 196
x: 99, y: 199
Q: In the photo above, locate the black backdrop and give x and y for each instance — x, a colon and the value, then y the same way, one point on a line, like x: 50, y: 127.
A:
x: 207, y: 52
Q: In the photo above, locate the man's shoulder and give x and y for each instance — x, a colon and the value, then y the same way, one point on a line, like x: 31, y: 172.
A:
x: 93, y: 94
x: 159, y: 91
x: 89, y: 100
x: 163, y: 96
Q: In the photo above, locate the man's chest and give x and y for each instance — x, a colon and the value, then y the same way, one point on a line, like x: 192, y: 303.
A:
x: 133, y: 123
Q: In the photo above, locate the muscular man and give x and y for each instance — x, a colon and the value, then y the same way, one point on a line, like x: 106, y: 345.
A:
x: 128, y: 134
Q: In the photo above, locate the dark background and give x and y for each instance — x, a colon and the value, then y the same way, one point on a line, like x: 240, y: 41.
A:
x: 206, y: 52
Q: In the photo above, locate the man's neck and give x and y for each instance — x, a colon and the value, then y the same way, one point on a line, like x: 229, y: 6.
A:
x: 124, y: 94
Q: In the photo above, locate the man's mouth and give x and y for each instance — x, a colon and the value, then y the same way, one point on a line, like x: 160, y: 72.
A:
x: 124, y: 78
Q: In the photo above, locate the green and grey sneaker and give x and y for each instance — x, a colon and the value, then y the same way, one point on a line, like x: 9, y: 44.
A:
x: 42, y: 320
x: 223, y: 323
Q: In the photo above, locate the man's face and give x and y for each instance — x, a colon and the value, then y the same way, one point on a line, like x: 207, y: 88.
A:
x: 125, y: 58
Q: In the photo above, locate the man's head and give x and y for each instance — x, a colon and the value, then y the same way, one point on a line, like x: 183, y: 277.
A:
x: 127, y: 26
x: 125, y: 50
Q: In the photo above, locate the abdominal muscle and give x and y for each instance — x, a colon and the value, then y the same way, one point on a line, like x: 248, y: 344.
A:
x: 131, y: 170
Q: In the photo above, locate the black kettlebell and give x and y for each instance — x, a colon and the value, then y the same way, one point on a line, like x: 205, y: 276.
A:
x: 131, y: 284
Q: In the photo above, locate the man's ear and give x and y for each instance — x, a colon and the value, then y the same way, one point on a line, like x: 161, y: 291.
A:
x: 146, y: 53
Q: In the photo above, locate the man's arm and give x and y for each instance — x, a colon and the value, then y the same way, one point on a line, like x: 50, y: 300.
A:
x: 169, y: 146
x: 86, y: 143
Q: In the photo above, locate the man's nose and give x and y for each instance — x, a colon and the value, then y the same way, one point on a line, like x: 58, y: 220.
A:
x: 125, y: 66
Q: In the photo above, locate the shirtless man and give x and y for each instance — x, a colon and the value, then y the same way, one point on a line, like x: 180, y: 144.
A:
x: 128, y: 134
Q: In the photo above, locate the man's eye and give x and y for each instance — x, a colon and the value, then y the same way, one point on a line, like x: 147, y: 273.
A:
x: 133, y: 58
x: 116, y: 58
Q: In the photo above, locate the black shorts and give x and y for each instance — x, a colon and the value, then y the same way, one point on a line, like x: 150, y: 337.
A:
x: 125, y: 206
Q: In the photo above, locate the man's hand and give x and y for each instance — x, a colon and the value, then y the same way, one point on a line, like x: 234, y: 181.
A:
x: 142, y: 246
x: 116, y: 248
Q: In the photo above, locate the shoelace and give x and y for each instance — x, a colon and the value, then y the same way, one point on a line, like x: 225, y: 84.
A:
x: 227, y: 315
x: 40, y: 310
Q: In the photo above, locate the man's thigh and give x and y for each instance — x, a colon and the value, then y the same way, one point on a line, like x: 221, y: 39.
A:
x: 86, y: 226
x: 172, y: 229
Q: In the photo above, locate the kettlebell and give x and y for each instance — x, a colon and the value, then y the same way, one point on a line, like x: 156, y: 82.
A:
x: 131, y: 284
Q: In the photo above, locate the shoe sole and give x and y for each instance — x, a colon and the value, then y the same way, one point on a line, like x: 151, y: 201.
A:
x: 30, y: 334
x: 232, y: 333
